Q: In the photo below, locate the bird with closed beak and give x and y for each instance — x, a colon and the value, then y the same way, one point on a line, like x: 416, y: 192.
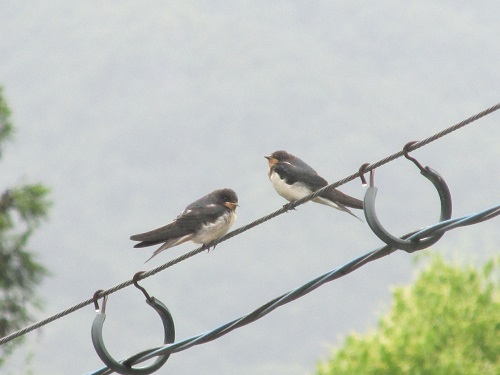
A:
x: 203, y: 221
x: 293, y: 179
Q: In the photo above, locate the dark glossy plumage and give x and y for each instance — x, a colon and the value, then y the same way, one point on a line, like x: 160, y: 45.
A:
x: 297, y: 179
x: 203, y: 221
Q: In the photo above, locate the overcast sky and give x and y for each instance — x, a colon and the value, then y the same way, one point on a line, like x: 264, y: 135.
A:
x: 129, y: 111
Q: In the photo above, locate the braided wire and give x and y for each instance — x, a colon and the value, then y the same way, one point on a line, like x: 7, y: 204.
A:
x: 285, y: 208
x: 306, y: 288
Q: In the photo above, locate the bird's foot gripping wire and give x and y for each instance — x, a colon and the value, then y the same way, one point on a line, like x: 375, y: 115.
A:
x: 289, y: 207
x: 210, y: 246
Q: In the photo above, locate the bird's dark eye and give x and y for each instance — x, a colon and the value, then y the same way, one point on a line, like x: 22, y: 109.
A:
x: 228, y: 195
x: 280, y: 155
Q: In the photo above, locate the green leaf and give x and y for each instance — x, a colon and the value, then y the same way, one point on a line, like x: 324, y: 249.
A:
x: 31, y: 202
x: 21, y: 210
x: 6, y: 128
x: 446, y: 322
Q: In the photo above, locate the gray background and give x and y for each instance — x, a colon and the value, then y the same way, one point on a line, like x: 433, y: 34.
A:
x: 129, y: 111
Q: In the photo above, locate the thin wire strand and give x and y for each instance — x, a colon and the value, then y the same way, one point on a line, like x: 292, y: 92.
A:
x: 308, y: 287
x: 253, y: 224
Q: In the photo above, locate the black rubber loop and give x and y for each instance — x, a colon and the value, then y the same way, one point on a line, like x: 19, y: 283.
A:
x: 414, y: 244
x: 123, y: 368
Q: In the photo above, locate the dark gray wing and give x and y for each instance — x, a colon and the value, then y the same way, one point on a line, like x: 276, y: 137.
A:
x: 202, y: 202
x: 292, y: 174
x: 301, y: 164
x: 338, y: 197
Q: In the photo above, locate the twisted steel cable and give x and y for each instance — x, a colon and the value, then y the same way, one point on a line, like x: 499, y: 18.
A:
x: 306, y: 288
x: 253, y: 224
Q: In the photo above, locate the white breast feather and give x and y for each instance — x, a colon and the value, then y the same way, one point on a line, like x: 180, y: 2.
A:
x: 290, y: 192
x: 215, y: 230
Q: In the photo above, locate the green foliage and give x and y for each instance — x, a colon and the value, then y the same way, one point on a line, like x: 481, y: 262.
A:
x: 28, y: 201
x: 6, y: 128
x: 447, y: 322
x: 21, y: 210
